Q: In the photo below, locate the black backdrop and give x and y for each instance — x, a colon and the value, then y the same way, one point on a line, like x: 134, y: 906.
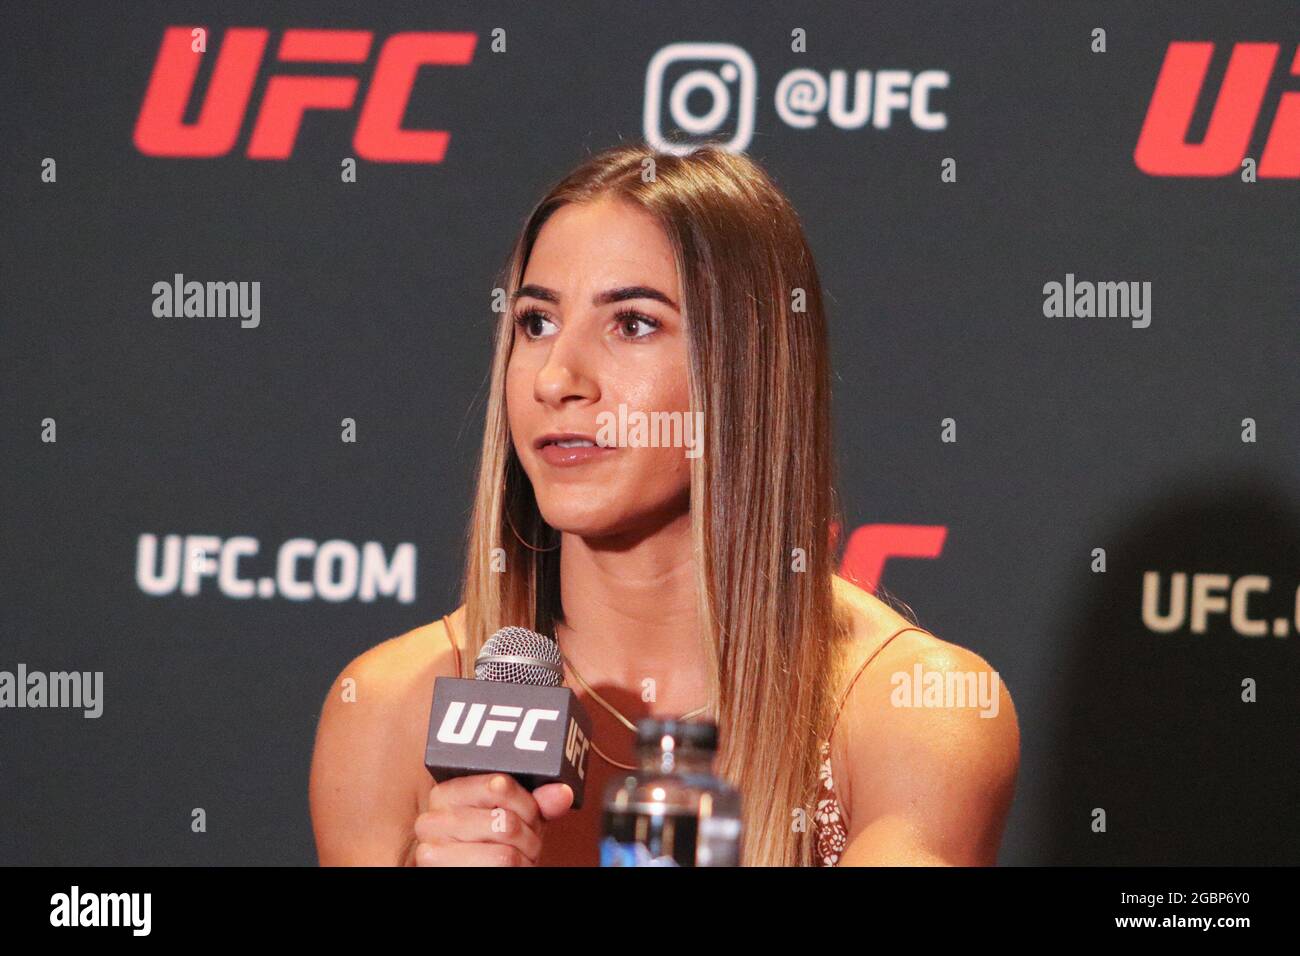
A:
x: 1073, y: 433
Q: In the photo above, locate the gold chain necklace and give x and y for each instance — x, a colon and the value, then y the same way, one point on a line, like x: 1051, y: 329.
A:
x: 609, y: 707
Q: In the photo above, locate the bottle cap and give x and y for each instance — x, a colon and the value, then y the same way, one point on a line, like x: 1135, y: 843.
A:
x: 650, y: 732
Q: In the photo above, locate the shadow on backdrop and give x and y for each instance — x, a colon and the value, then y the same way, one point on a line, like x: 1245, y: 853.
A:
x: 1154, y: 729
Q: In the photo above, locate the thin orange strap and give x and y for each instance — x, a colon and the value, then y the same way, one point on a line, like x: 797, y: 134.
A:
x: 452, y: 641
x: 845, y: 696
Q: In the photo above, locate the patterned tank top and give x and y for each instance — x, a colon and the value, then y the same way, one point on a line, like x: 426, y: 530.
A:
x: 830, y: 822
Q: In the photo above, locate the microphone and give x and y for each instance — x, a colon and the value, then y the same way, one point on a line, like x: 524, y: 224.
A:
x: 515, y: 717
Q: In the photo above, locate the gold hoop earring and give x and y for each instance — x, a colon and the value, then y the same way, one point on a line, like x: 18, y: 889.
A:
x: 530, y: 547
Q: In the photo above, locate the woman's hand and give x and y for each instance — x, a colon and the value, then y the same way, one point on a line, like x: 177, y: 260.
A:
x: 487, y: 820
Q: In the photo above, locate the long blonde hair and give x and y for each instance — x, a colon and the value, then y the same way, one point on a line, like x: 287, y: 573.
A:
x: 762, y: 499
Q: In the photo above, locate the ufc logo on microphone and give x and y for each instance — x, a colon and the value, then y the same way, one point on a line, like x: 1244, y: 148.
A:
x: 575, y: 747
x: 161, y: 129
x: 488, y: 729
x: 1162, y: 147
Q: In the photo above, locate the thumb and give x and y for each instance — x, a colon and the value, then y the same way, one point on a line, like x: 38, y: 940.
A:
x: 553, y: 799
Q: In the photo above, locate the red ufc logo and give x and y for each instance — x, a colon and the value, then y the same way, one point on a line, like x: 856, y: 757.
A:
x: 871, y: 545
x: 161, y: 129
x: 1162, y: 147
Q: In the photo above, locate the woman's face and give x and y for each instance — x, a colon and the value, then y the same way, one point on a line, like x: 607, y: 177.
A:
x: 598, y: 325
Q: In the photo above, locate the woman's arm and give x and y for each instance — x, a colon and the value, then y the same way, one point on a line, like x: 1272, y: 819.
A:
x: 362, y: 796
x: 929, y: 785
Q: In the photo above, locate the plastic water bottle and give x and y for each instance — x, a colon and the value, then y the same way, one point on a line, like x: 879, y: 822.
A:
x: 672, y: 811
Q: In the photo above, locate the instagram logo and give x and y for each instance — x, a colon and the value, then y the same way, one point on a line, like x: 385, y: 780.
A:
x: 732, y: 69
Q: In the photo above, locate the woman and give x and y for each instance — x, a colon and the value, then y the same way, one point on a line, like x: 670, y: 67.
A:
x: 677, y: 582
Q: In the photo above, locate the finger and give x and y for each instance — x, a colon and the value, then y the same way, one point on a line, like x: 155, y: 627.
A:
x: 487, y: 790
x: 461, y: 824
x: 553, y: 799
x: 470, y: 854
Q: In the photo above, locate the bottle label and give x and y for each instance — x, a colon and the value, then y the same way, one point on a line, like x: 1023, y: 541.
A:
x: 616, y: 853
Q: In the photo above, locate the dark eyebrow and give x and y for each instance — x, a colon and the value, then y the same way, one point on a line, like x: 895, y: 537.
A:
x: 603, y: 298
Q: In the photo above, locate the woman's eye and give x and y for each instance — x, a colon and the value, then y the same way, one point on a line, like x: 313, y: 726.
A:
x: 533, y: 323
x: 634, y: 325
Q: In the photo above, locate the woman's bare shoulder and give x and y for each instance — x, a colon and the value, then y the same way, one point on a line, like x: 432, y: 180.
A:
x: 870, y: 659
x: 898, y: 754
x: 870, y: 623
x: 410, y: 660
x: 873, y: 622
x: 367, y: 773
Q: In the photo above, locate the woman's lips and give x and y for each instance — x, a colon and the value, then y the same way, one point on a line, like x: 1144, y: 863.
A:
x: 567, y: 455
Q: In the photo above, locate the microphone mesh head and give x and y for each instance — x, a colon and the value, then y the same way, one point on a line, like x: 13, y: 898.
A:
x: 516, y: 655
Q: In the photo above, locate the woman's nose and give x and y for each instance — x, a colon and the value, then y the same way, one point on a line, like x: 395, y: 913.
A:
x: 566, y: 374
